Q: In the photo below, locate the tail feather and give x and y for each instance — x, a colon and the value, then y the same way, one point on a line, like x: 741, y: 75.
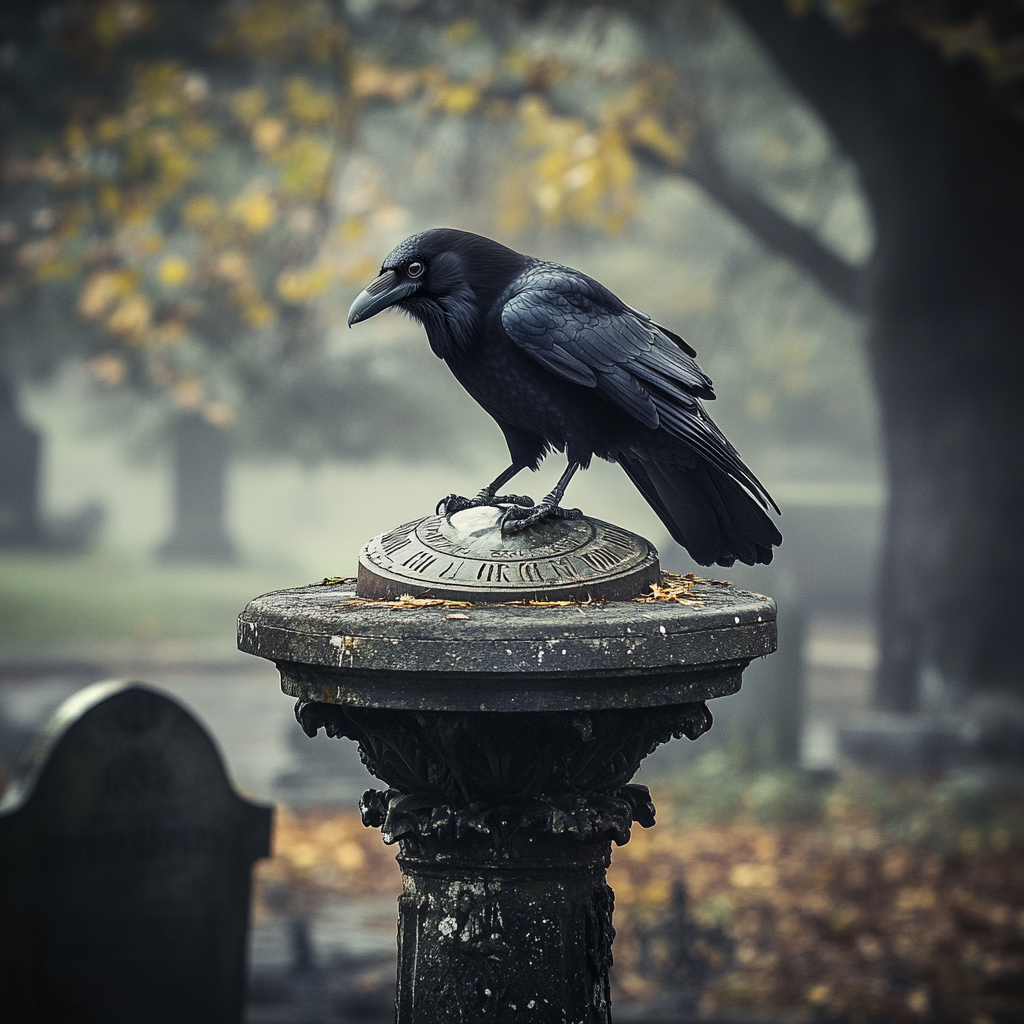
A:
x: 713, y: 516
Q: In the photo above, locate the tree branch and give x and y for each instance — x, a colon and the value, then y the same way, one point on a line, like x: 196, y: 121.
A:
x: 871, y: 89
x: 826, y: 67
x: 840, y: 280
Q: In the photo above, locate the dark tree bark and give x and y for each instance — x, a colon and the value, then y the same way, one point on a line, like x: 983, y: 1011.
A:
x: 941, y: 160
x: 201, y: 455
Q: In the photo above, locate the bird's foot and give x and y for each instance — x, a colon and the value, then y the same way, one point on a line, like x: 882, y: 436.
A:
x: 516, y: 519
x: 453, y: 503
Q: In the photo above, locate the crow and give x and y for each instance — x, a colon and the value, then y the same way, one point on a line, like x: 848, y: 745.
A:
x: 563, y: 364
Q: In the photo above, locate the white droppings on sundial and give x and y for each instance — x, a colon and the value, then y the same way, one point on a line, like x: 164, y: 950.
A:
x: 759, y: 618
x: 508, y: 650
x: 540, y: 655
x: 563, y: 650
x: 737, y: 619
x: 661, y: 629
x: 629, y: 629
x: 337, y: 641
x: 487, y: 991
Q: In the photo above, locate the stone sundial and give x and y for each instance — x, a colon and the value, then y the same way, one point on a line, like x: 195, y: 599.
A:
x: 468, y: 558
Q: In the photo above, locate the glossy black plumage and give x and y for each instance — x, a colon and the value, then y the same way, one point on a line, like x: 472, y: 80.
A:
x: 562, y: 363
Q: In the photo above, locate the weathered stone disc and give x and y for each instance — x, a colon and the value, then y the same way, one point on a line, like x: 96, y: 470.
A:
x: 467, y: 558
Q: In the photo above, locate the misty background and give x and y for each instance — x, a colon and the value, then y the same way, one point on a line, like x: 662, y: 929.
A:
x: 823, y: 199
x: 332, y: 435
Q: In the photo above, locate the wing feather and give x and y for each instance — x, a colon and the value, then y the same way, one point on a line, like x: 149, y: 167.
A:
x: 577, y: 329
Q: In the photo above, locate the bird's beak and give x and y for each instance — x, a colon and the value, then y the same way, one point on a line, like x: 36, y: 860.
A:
x: 380, y: 293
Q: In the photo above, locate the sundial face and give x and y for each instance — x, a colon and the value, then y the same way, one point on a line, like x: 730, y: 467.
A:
x: 468, y: 558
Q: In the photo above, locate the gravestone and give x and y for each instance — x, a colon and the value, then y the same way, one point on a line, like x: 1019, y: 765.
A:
x: 125, y: 868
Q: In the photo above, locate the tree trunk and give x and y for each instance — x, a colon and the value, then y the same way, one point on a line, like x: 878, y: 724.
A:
x: 950, y: 385
x: 201, y: 453
x: 941, y: 162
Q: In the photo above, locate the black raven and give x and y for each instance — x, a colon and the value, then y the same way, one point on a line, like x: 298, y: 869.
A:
x: 562, y: 363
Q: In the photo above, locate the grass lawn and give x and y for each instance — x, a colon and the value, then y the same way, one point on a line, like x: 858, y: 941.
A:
x: 108, y: 596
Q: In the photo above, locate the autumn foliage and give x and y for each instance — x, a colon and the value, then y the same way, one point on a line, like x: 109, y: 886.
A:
x: 869, y: 900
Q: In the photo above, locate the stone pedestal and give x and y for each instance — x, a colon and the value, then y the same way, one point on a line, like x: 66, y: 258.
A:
x: 507, y: 735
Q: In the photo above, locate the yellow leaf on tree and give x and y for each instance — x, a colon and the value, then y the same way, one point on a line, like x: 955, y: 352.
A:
x: 200, y: 211
x: 248, y: 104
x: 352, y: 229
x: 650, y: 132
x: 371, y: 81
x: 459, y: 99
x: 309, y: 105
x: 256, y: 210
x: 170, y: 332
x: 258, y: 314
x: 176, y: 168
x: 101, y: 289
x: 188, y: 392
x: 108, y: 129
x: 461, y: 31
x: 306, y: 167
x: 75, y: 138
x: 109, y: 200
x: 220, y: 414
x: 297, y: 286
x: 198, y: 134
x: 173, y: 271
x: 131, y: 317
x: 268, y: 133
x: 57, y: 269
x: 231, y: 266
x: 108, y: 368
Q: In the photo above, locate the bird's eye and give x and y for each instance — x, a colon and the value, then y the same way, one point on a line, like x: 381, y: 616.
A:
x: 414, y: 269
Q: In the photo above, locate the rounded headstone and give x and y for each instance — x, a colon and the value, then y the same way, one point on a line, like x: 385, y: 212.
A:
x: 467, y: 557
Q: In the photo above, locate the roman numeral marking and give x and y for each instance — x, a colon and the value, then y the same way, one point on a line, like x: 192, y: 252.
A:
x: 420, y: 561
x: 394, y: 541
x: 601, y: 558
x: 490, y: 572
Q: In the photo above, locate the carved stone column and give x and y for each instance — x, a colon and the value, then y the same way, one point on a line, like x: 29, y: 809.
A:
x: 507, y: 735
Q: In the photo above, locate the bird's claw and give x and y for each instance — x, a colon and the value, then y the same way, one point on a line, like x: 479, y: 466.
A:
x: 516, y: 519
x: 453, y: 503
x: 523, y: 500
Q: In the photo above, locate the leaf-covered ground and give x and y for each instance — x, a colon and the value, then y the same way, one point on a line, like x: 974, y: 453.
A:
x: 862, y: 900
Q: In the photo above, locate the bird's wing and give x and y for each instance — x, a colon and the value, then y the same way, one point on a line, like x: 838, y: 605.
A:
x: 578, y: 330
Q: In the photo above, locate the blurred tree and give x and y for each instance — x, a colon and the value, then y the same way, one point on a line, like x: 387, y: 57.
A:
x: 184, y: 184
x: 927, y: 98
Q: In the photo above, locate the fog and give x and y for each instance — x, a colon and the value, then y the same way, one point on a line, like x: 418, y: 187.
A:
x: 655, y: 148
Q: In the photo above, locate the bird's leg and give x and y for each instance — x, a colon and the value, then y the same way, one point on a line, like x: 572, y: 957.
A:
x: 453, y: 503
x: 516, y: 519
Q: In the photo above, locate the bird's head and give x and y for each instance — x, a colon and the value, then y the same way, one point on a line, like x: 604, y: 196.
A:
x: 446, y: 279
